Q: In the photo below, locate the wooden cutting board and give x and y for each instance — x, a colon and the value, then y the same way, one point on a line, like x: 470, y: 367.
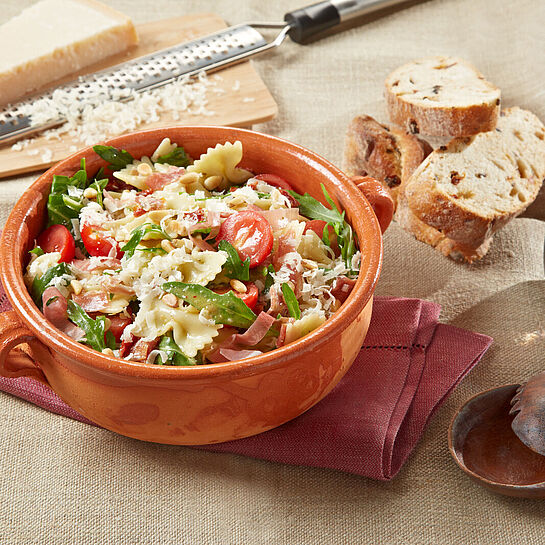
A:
x: 244, y: 99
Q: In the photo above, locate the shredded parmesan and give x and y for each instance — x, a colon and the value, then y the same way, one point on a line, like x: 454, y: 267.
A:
x: 101, y: 117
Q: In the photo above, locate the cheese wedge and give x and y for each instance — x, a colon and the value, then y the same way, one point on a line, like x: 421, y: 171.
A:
x: 54, y: 38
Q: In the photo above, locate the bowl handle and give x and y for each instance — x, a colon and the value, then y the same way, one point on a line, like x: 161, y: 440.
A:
x: 379, y: 198
x: 17, y: 362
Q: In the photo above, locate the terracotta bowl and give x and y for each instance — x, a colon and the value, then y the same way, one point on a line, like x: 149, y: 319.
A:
x: 203, y: 404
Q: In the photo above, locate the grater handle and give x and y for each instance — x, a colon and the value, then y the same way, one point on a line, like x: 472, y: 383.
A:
x: 310, y: 20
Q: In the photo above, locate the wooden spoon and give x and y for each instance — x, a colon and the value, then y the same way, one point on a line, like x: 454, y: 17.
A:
x: 528, y: 405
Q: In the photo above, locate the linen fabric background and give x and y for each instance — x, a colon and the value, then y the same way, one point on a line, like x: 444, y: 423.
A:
x: 62, y: 481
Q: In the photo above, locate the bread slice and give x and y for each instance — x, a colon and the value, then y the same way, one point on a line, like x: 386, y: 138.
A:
x: 386, y: 153
x: 442, y: 96
x: 425, y: 233
x: 475, y: 185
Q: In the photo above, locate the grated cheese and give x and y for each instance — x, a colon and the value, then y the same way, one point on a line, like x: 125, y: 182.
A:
x: 102, y: 117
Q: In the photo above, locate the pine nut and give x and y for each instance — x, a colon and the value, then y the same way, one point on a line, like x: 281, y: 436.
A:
x: 144, y: 169
x: 189, y: 178
x: 107, y: 351
x: 107, y: 324
x: 237, y: 285
x: 76, y: 286
x: 307, y: 263
x: 90, y: 193
x: 170, y: 299
x: 167, y: 245
x: 212, y: 182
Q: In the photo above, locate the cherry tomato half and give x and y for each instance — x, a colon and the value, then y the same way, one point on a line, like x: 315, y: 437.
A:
x: 57, y: 238
x: 96, y: 243
x: 274, y: 180
x: 249, y: 297
x: 318, y: 227
x: 250, y: 233
x: 118, y: 324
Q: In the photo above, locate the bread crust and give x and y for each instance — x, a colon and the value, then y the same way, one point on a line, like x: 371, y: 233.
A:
x: 449, y: 213
x: 386, y: 153
x: 430, y: 115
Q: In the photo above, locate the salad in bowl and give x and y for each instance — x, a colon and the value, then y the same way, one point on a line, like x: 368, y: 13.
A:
x: 172, y: 260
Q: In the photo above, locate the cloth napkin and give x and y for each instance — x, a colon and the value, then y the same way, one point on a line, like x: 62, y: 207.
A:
x: 370, y: 423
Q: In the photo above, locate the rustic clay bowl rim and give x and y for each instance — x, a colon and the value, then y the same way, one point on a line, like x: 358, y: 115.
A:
x: 498, y: 486
x: 363, y: 221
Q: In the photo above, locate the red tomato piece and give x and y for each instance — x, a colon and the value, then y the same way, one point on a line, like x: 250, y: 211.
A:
x: 118, y: 324
x: 249, y: 297
x: 250, y: 234
x: 318, y: 227
x: 274, y: 180
x: 57, y: 238
x: 96, y: 243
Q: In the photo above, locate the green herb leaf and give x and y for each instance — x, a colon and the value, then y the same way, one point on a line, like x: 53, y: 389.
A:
x: 51, y: 300
x: 223, y: 309
x: 174, y: 353
x: 110, y: 340
x: 177, y: 157
x: 156, y: 250
x: 291, y: 301
x: 269, y: 280
x: 313, y: 209
x: 93, y: 329
x: 98, y: 186
x: 42, y: 282
x: 37, y: 251
x: 117, y: 159
x: 139, y: 233
x: 234, y: 267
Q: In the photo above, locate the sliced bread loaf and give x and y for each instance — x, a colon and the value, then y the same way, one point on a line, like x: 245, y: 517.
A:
x: 386, y: 153
x: 442, y: 96
x: 472, y: 187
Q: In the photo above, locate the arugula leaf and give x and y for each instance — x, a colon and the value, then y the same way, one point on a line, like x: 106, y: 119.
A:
x: 269, y: 280
x: 51, y: 300
x: 175, y: 356
x: 139, y: 233
x: 117, y: 159
x: 158, y: 250
x: 42, y: 282
x: 177, y: 157
x: 291, y: 301
x: 98, y: 186
x: 93, y: 329
x: 223, y: 309
x: 313, y: 209
x: 234, y: 267
x: 37, y: 251
x: 109, y: 340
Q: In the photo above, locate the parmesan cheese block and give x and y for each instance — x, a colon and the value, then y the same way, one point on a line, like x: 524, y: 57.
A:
x: 60, y: 37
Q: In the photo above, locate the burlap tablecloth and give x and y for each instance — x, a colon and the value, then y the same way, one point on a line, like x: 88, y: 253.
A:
x: 65, y: 482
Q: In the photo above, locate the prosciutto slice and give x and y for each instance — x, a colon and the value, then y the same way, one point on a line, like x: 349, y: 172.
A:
x: 158, y: 180
x: 56, y: 313
x: 279, y: 218
x: 92, y: 301
x: 232, y: 355
x: 96, y: 264
x: 342, y: 288
x: 256, y: 331
x: 141, y: 350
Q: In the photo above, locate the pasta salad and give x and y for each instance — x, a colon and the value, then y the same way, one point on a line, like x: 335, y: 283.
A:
x: 174, y: 261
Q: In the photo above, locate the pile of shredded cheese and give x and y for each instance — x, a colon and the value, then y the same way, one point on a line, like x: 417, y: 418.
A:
x: 101, y: 117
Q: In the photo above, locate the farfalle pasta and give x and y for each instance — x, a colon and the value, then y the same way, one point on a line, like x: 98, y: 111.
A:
x: 173, y: 261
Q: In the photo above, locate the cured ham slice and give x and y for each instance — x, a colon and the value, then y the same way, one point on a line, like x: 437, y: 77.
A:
x: 92, y: 301
x: 158, y: 180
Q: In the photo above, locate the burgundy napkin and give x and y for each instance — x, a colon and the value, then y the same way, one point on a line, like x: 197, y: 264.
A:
x: 370, y: 423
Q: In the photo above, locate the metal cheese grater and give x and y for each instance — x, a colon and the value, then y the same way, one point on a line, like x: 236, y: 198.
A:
x: 221, y: 49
